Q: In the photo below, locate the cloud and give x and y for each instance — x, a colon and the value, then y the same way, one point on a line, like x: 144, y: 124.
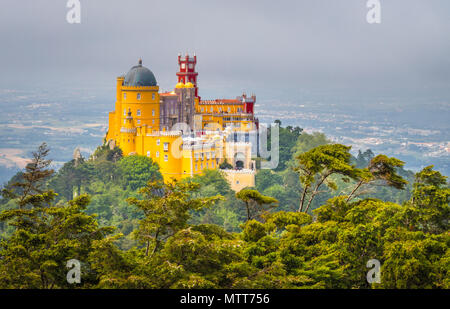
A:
x: 251, y: 43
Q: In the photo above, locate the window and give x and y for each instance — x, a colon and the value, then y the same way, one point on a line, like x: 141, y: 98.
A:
x: 153, y: 112
x: 208, y: 155
x: 212, y: 164
x: 138, y: 96
x: 124, y: 121
x: 191, y: 66
x: 201, y: 166
x: 183, y: 65
x: 138, y: 112
x: 148, y: 153
x: 237, y: 182
x: 157, y: 142
x: 166, y: 158
x: 166, y: 146
x: 211, y: 109
x: 139, y: 121
x: 196, y: 156
x: 207, y: 166
x: 124, y: 95
x: 153, y: 121
x: 213, y: 154
x: 229, y: 109
x: 157, y: 154
x: 153, y: 96
x: 203, y: 156
x: 124, y: 111
x: 202, y: 109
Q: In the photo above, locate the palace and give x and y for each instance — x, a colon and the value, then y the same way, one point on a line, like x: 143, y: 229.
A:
x: 181, y: 132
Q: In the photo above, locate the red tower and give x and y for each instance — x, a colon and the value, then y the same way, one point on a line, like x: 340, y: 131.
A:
x: 186, y: 73
x: 249, y: 103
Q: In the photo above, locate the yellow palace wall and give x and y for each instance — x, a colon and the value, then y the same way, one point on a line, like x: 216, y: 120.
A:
x: 140, y: 134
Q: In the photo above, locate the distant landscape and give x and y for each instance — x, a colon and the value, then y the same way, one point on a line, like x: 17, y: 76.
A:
x: 413, y: 130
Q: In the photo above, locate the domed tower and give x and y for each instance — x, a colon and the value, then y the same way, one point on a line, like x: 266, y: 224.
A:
x: 140, y: 76
x: 138, y: 94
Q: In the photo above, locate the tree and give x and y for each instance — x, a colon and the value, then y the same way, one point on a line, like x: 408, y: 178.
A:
x: 212, y: 178
x: 166, y: 209
x: 267, y: 178
x: 203, y: 252
x: 73, y: 175
x: 381, y: 169
x: 137, y: 170
x: 287, y: 140
x: 306, y: 142
x: 225, y: 165
x: 317, y: 165
x: 255, y: 202
x: 431, y: 196
x: 34, y: 177
x: 45, y: 236
x: 105, y: 153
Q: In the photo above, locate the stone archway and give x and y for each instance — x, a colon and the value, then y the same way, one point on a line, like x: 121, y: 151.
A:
x: 239, y: 160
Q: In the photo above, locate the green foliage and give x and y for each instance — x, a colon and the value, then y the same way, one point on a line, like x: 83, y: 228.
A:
x: 431, y: 196
x: 166, y: 209
x: 45, y: 236
x: 255, y: 202
x: 196, y: 233
x: 287, y: 140
x: 317, y: 165
x: 212, y: 178
x: 267, y: 178
x: 382, y: 170
x: 137, y: 171
x: 225, y: 165
x: 227, y: 212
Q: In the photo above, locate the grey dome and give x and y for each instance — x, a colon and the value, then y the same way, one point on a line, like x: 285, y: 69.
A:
x: 139, y: 76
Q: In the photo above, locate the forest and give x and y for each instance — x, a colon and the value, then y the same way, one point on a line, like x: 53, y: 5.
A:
x: 312, y: 223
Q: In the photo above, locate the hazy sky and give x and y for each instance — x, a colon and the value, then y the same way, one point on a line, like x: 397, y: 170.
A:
x: 239, y: 44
